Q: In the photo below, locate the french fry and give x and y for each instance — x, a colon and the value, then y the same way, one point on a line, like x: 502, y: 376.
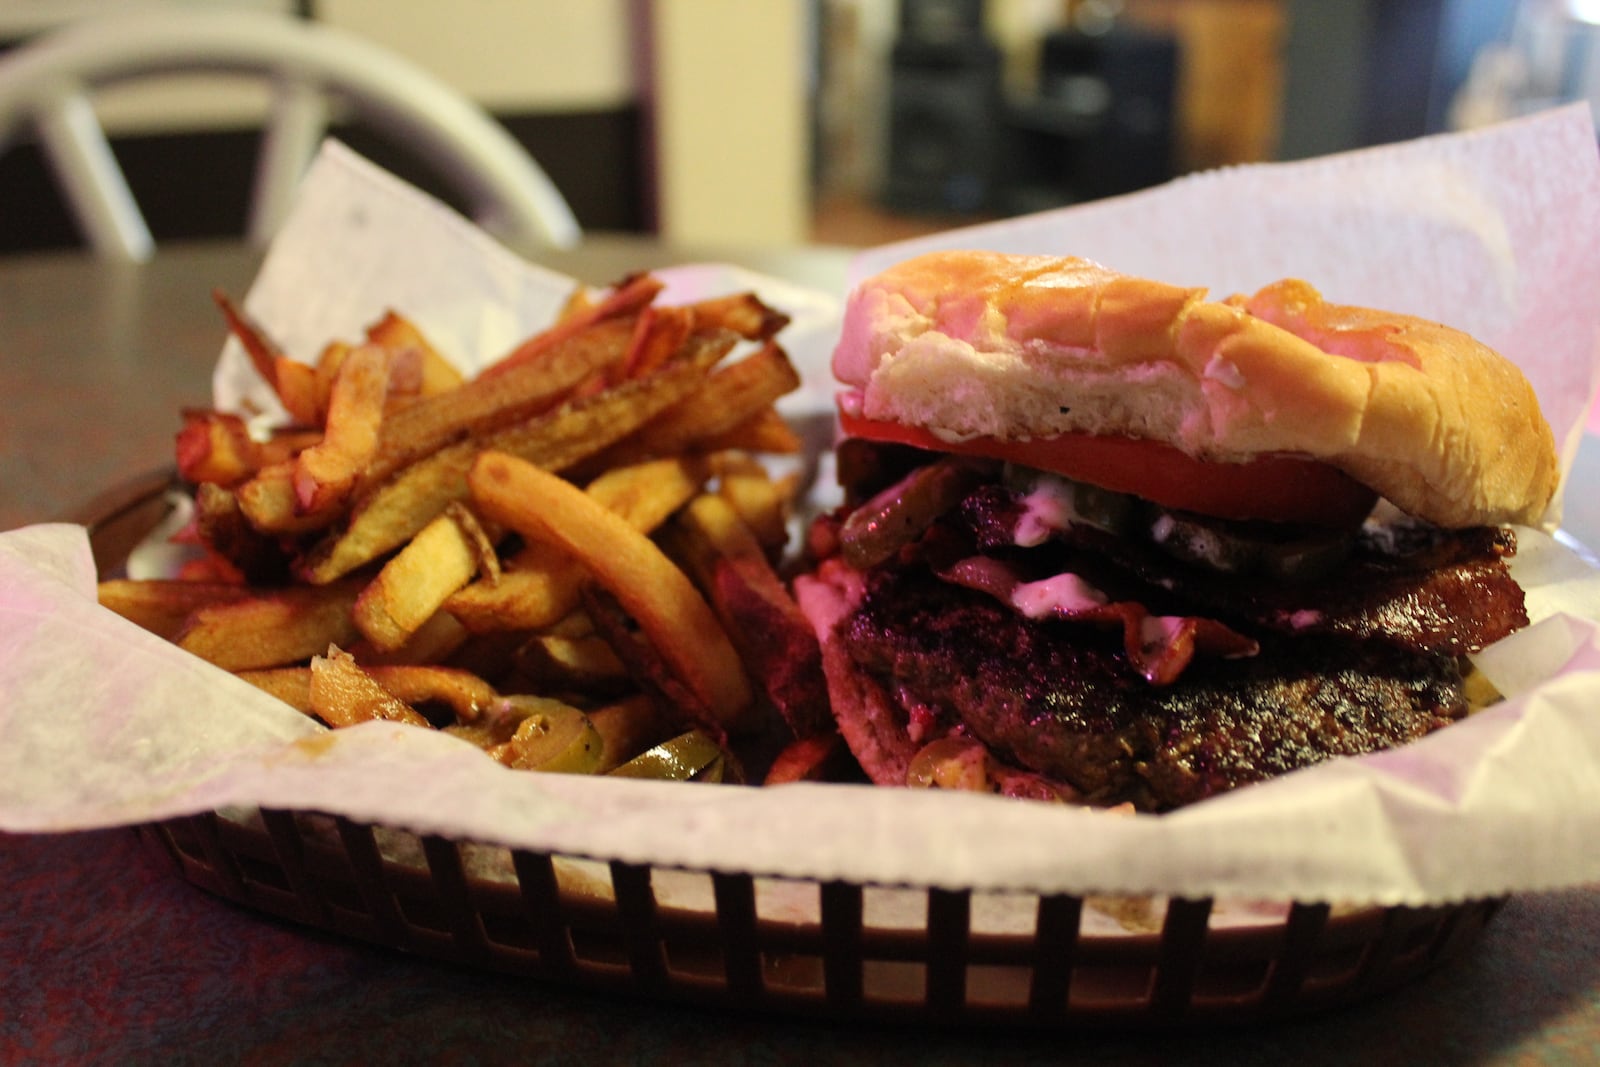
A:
x: 395, y: 511
x: 731, y: 395
x: 221, y: 526
x: 761, y: 502
x: 559, y: 663
x: 341, y: 693
x: 292, y: 685
x: 626, y: 298
x: 413, y: 585
x: 485, y: 405
x: 544, y: 583
x: 214, y: 448
x: 465, y: 694
x: 659, y: 334
x: 269, y: 502
x: 352, y: 563
x: 163, y: 605
x: 543, y: 507
x: 434, y: 642
x: 809, y: 759
x: 649, y: 668
x: 765, y: 431
x: 627, y: 728
x: 325, y: 473
x: 271, y: 629
x: 295, y: 383
x: 775, y: 641
x: 743, y: 313
x: 427, y: 373
x: 542, y: 586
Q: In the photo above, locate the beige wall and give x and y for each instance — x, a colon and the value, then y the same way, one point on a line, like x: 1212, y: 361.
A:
x: 731, y: 99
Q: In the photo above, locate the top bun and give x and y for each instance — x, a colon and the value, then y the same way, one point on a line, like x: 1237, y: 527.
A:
x: 967, y: 344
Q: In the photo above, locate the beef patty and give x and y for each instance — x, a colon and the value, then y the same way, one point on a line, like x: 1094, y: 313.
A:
x: 1059, y: 698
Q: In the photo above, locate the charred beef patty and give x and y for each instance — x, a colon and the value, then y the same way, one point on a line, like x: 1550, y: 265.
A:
x: 1364, y: 658
x: 1061, y: 699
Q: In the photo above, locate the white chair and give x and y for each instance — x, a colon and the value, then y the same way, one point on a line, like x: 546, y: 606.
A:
x: 312, y: 69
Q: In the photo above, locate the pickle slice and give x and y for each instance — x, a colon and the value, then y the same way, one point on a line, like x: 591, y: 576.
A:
x: 553, y: 737
x: 689, y: 757
x: 903, y: 512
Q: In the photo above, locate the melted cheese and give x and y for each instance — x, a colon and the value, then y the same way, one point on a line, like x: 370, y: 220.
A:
x: 1062, y: 594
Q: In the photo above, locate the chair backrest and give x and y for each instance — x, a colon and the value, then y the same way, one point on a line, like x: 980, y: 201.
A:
x: 49, y: 82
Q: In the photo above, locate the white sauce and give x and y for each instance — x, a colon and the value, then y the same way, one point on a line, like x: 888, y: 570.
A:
x: 1048, y: 507
x: 1062, y: 593
x: 1305, y: 617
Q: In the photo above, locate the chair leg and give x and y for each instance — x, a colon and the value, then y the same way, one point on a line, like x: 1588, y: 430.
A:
x: 294, y: 130
x: 91, y: 179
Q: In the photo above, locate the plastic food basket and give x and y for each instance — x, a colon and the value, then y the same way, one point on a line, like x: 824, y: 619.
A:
x: 827, y: 949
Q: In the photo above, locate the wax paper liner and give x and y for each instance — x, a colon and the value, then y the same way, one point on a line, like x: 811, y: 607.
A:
x: 103, y: 724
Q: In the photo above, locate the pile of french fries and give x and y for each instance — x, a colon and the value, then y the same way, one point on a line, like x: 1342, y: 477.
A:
x: 568, y: 559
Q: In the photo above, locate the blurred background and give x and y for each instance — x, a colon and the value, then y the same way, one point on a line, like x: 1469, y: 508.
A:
x: 857, y: 121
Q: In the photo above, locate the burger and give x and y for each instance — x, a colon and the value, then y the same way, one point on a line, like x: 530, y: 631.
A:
x: 1106, y: 540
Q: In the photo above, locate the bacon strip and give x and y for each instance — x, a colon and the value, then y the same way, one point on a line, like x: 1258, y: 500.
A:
x: 1160, y: 647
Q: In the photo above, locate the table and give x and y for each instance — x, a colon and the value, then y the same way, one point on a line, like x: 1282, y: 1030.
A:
x: 106, y: 956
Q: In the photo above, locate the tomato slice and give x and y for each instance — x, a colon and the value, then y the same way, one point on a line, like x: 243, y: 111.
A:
x: 1276, y: 488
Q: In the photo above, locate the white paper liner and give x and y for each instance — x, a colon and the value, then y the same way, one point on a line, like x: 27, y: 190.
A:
x: 103, y: 724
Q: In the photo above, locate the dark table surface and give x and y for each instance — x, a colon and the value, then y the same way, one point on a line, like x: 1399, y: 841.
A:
x: 106, y: 955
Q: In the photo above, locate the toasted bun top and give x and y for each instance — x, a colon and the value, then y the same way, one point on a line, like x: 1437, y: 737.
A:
x: 968, y: 344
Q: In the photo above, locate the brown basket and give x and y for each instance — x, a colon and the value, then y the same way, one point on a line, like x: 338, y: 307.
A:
x: 605, y: 926
x: 826, y: 950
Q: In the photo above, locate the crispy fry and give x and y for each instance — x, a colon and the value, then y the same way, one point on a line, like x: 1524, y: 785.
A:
x: 434, y: 642
x: 465, y: 694
x: 257, y: 345
x: 271, y: 629
x: 430, y: 371
x: 221, y: 526
x: 659, y: 334
x: 743, y: 313
x: 413, y: 585
x: 730, y: 396
x: 294, y: 382
x: 543, y: 507
x: 397, y: 510
x: 544, y: 583
x: 627, y: 728
x: 761, y: 502
x: 626, y: 298
x: 343, y: 694
x: 765, y: 431
x: 572, y: 664
x: 301, y: 392
x: 542, y: 586
x: 162, y: 605
x: 817, y: 758
x: 485, y: 405
x: 325, y: 473
x: 393, y: 495
x: 268, y: 500
x: 292, y: 685
x: 213, y: 448
x: 775, y: 641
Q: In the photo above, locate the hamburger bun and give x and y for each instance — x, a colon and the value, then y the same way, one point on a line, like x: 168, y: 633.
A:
x: 967, y: 344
